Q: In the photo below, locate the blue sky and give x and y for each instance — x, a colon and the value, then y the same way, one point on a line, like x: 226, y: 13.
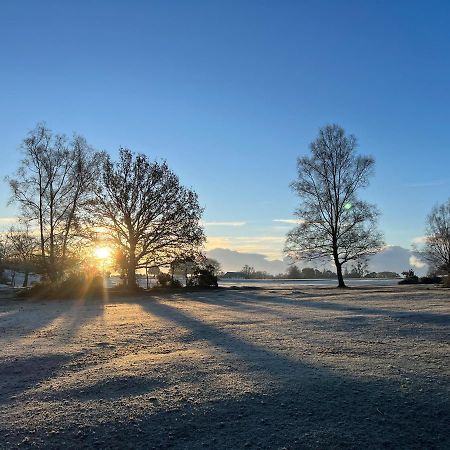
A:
x: 230, y: 93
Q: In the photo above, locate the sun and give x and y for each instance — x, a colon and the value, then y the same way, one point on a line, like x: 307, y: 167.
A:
x: 102, y: 252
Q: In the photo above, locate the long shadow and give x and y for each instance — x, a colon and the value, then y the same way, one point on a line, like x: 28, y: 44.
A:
x: 308, y: 406
x: 82, y: 312
x: 423, y: 316
x: 328, y: 396
x: 74, y: 314
x: 367, y: 323
x: 19, y: 328
x: 111, y: 389
x: 254, y: 303
x: 20, y: 374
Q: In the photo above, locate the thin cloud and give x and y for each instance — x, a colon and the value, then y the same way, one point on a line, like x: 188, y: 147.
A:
x: 292, y: 221
x: 269, y: 246
x: 419, y: 240
x: 8, y: 220
x: 224, y: 224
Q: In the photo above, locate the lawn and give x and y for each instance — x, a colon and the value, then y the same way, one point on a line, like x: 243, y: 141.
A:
x: 228, y: 368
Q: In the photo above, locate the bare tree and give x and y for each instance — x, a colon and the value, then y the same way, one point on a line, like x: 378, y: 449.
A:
x: 333, y: 222
x: 150, y: 217
x: 248, y: 271
x: 359, y: 267
x: 23, y: 250
x: 51, y: 187
x: 437, y: 241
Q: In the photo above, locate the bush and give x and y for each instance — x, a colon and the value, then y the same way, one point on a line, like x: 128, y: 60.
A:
x: 175, y: 283
x: 430, y: 280
x: 164, y: 279
x: 410, y: 280
x: 410, y: 277
x: 204, y: 278
x: 74, y: 286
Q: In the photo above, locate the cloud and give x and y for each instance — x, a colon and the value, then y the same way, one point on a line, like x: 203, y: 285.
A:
x: 396, y: 259
x: 234, y: 253
x: 269, y: 246
x: 224, y: 224
x: 232, y: 261
x: 8, y: 220
x: 416, y: 262
x: 292, y: 221
x: 419, y: 240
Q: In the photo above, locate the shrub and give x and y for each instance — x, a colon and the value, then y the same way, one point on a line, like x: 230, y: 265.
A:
x: 410, y: 277
x: 74, y: 286
x: 431, y: 280
x: 164, y: 279
x: 204, y: 278
x: 175, y: 283
x: 410, y: 280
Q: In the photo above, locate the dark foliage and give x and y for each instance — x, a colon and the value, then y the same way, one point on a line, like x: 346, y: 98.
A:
x: 430, y: 280
x: 204, y: 277
x: 164, y: 279
x: 74, y: 286
x: 410, y: 277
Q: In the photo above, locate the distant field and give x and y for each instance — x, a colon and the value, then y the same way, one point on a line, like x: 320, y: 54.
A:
x: 281, y: 367
x: 291, y: 284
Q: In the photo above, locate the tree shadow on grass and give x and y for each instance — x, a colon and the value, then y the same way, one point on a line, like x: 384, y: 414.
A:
x: 246, y: 298
x: 20, y: 374
x: 26, y: 322
x: 309, y: 406
x: 333, y: 408
x: 35, y: 319
x: 108, y: 389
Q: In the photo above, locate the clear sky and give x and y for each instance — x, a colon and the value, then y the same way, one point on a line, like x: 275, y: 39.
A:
x: 231, y: 92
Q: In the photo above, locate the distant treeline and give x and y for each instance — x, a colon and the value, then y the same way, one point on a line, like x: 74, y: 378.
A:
x: 294, y: 272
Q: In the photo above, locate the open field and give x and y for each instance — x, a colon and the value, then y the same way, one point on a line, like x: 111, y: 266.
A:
x: 273, y: 368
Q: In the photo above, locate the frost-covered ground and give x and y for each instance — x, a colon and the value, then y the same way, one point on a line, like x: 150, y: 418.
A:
x: 228, y: 369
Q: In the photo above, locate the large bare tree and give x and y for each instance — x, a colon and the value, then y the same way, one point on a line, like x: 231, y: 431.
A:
x: 151, y: 218
x: 437, y: 240
x: 51, y: 187
x: 333, y: 222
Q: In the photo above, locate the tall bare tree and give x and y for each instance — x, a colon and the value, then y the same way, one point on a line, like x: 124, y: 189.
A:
x: 150, y: 216
x: 51, y: 187
x: 437, y: 240
x: 333, y: 222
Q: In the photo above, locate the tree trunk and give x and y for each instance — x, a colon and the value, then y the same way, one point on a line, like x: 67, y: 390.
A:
x: 341, y: 283
x: 338, y: 264
x: 131, y: 266
x: 131, y: 276
x: 25, y: 280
